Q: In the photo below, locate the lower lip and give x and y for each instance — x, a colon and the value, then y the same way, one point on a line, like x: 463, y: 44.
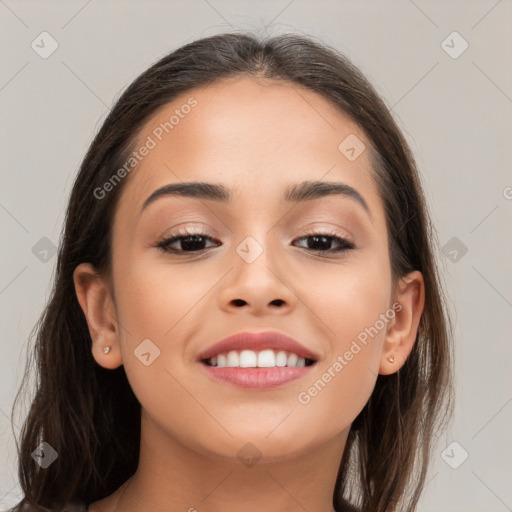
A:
x: 257, y: 378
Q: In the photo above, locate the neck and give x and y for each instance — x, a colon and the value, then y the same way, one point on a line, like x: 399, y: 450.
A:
x: 172, y: 476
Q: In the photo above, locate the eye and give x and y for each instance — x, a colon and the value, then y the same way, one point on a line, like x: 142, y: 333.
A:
x: 194, y: 241
x: 190, y: 241
x: 321, y: 242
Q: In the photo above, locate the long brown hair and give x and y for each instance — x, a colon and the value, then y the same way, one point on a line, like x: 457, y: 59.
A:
x: 78, y: 405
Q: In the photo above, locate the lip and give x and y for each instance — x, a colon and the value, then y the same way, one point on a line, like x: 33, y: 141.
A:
x: 257, y: 378
x: 258, y: 341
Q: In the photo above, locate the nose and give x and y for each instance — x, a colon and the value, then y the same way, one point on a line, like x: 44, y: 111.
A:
x: 257, y: 282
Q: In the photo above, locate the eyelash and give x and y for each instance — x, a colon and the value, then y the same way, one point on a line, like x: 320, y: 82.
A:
x: 344, y: 244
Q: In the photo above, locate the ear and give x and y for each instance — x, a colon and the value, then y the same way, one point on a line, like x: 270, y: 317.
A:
x: 94, y: 296
x: 402, y: 330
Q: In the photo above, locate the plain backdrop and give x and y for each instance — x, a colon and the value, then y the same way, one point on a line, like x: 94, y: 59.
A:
x: 443, y: 67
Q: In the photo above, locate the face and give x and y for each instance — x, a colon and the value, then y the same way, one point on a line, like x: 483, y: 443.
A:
x: 260, y: 263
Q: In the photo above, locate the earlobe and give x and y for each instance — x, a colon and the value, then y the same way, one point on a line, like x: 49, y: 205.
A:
x: 95, y: 299
x: 401, y: 335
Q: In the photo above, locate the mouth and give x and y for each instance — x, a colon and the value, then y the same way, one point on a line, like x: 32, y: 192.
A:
x: 249, y: 348
x: 257, y: 377
x: 257, y: 360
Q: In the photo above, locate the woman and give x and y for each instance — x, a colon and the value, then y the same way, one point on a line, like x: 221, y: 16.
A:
x: 247, y: 310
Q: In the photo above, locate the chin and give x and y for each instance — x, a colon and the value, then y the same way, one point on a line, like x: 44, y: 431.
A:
x: 259, y: 446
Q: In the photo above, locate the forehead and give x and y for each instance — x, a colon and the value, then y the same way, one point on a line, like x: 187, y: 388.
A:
x: 255, y: 137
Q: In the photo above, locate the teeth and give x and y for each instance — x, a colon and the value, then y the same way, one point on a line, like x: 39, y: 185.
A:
x: 281, y: 358
x: 262, y: 359
x: 233, y: 359
x: 266, y: 359
x: 248, y: 359
x: 292, y: 360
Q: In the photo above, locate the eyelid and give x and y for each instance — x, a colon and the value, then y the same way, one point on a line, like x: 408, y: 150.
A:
x: 327, y: 231
x: 202, y: 231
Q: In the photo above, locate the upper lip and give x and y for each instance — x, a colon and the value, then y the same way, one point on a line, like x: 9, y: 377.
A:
x: 258, y: 341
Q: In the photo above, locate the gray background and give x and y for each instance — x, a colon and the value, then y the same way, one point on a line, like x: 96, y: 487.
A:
x: 455, y: 112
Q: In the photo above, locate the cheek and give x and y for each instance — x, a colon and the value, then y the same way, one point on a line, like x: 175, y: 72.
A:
x: 152, y: 302
x: 352, y: 306
x: 153, y: 296
x: 340, y: 387
x: 348, y: 301
x: 157, y: 302
x: 354, y: 317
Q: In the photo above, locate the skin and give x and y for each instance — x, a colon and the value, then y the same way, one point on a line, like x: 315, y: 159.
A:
x: 256, y: 138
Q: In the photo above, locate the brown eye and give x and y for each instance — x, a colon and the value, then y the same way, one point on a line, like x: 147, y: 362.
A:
x: 321, y: 242
x: 188, y: 242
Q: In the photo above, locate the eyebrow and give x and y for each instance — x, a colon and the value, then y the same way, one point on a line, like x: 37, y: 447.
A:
x: 305, y: 191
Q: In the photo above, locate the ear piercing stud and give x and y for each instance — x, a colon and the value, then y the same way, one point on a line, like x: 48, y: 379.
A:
x: 106, y: 350
x: 391, y: 359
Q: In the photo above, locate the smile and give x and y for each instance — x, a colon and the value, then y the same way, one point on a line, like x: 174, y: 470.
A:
x: 258, y: 370
x: 258, y: 359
